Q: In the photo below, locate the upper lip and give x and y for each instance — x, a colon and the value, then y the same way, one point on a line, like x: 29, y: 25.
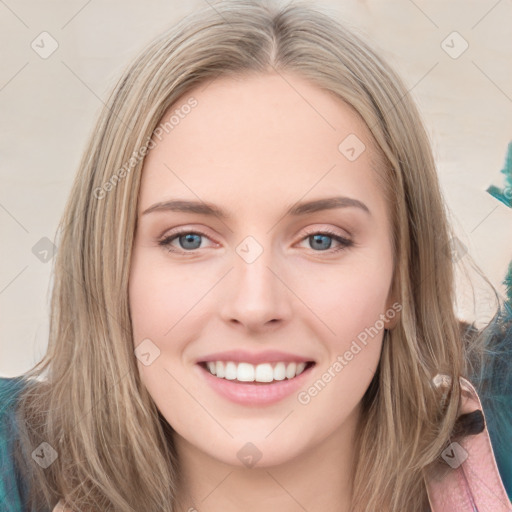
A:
x: 267, y: 356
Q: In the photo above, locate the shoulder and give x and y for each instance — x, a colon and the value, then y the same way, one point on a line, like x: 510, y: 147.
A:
x: 11, y: 492
x: 9, y: 386
x: 10, y: 389
x: 494, y: 386
x: 498, y: 415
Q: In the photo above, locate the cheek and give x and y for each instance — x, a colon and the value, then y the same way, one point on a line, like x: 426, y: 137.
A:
x: 349, y: 300
x: 350, y: 306
x: 158, y: 298
x: 159, y: 301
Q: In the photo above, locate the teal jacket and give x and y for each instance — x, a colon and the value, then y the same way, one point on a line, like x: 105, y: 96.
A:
x: 13, y: 489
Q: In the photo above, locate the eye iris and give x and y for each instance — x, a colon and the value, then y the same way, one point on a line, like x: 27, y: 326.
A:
x: 318, y: 239
x: 190, y: 237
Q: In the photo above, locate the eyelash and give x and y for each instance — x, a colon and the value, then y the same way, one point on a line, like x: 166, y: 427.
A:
x: 345, y: 243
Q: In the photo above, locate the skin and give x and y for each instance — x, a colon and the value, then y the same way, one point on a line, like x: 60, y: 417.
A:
x: 255, y: 146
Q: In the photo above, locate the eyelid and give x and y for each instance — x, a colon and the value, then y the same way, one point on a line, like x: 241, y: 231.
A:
x: 327, y: 230
x: 174, y: 233
x: 188, y: 228
x: 345, y: 242
x: 184, y: 228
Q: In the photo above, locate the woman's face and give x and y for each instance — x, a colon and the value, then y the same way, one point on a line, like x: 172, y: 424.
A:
x: 263, y: 281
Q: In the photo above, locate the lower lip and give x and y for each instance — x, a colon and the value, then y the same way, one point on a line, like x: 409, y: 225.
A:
x: 250, y: 393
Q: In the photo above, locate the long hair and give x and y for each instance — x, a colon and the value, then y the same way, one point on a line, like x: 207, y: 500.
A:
x: 85, y: 400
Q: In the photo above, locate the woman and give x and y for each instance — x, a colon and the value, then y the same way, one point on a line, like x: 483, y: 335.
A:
x: 253, y: 300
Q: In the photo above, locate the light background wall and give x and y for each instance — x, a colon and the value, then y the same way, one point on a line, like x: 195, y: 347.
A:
x: 48, y: 106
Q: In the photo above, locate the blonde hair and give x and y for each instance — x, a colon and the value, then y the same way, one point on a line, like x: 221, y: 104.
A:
x: 115, y: 450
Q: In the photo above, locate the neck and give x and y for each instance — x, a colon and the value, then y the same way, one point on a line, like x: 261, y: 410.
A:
x: 318, y: 479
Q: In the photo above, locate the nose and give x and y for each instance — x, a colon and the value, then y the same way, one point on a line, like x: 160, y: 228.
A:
x: 255, y: 294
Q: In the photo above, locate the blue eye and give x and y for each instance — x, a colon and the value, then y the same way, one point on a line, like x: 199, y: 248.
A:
x: 190, y: 241
x: 320, y: 241
x: 323, y: 241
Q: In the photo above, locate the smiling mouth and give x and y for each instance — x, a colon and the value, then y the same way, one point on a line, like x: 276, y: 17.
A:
x: 255, y: 375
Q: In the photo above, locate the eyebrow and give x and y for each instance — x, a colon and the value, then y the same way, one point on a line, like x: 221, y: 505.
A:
x: 304, y: 208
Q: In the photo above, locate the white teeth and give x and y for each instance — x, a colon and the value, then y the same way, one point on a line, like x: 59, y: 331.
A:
x: 290, y: 370
x: 246, y: 372
x: 264, y: 373
x: 279, y: 371
x: 219, y: 369
x: 230, y: 371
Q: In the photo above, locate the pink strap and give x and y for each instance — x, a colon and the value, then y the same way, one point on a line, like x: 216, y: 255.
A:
x: 474, y: 483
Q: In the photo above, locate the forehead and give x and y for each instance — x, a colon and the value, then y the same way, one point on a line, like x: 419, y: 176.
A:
x: 254, y: 137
